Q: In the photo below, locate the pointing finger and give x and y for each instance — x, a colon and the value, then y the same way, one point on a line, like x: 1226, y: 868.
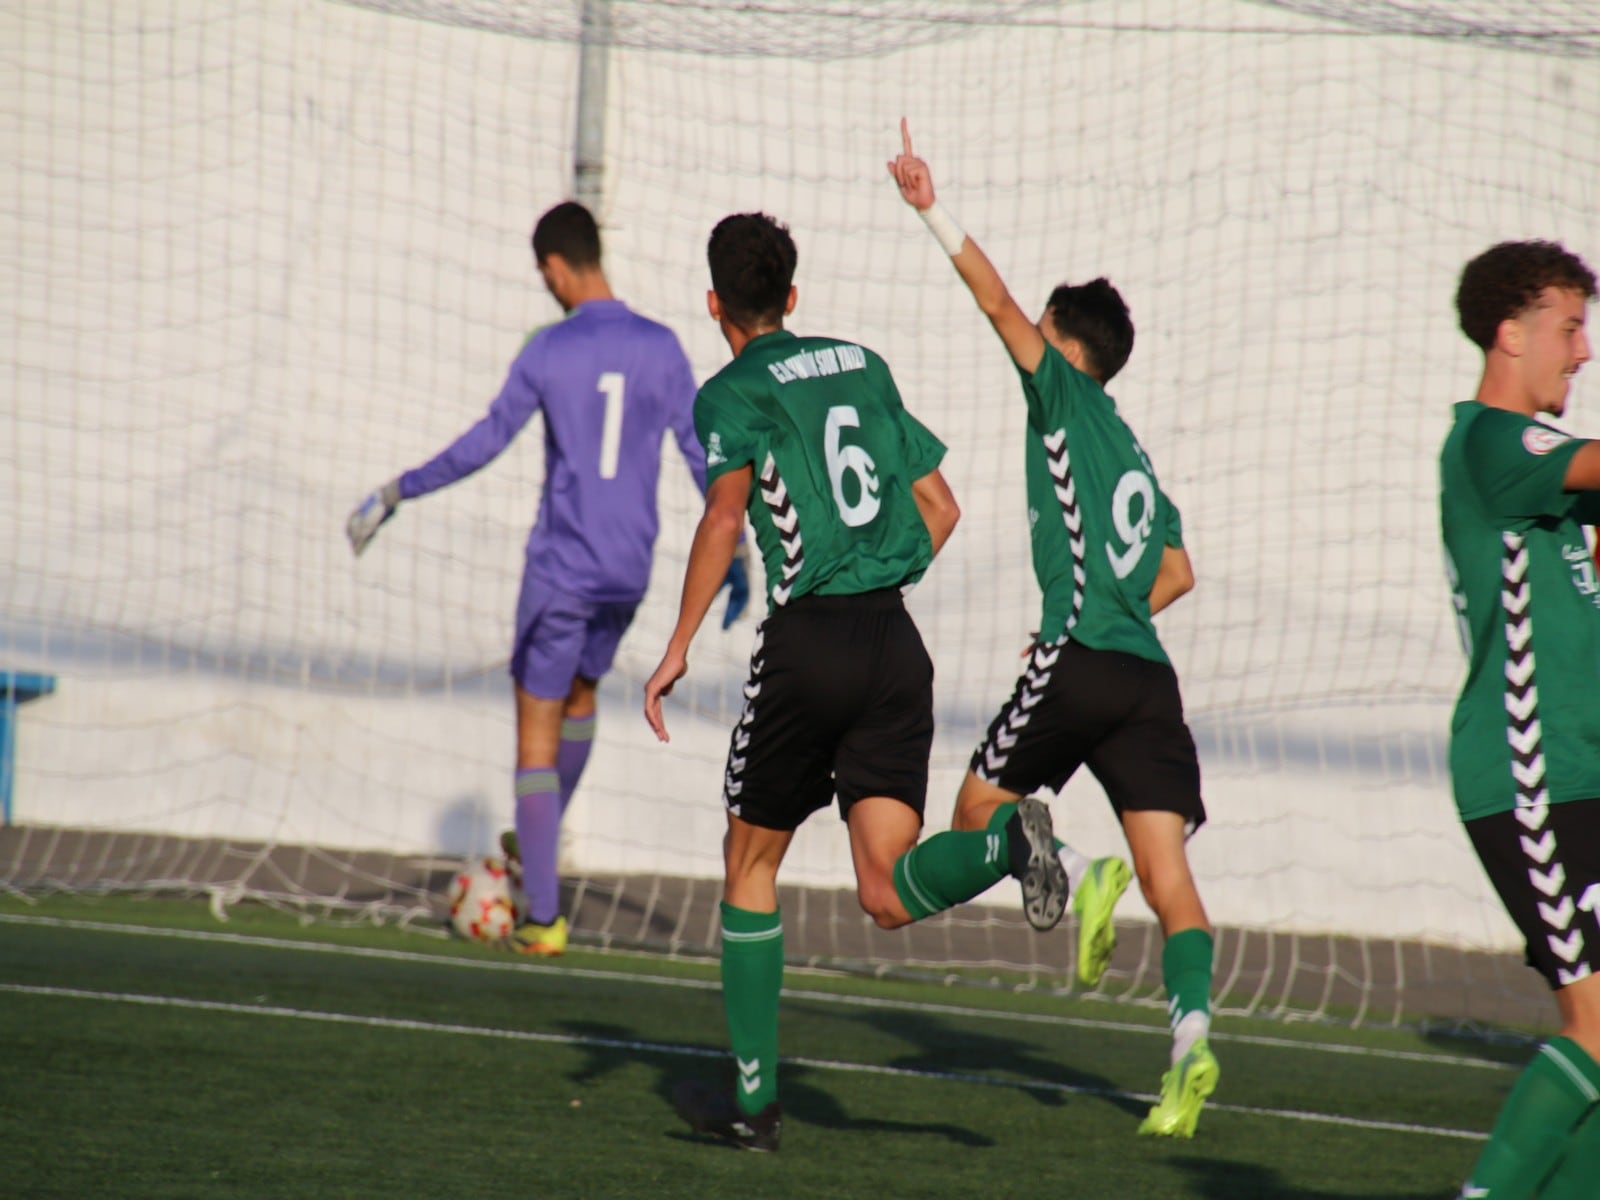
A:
x: 905, y: 135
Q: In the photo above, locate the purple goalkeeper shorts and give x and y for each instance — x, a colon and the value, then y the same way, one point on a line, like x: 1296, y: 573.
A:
x: 561, y: 637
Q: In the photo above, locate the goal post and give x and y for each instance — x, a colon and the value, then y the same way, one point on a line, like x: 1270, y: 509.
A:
x: 265, y: 257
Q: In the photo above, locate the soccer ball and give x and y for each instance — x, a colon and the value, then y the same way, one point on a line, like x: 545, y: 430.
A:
x: 481, y: 907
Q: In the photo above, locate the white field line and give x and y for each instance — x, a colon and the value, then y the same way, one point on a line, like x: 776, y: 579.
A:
x: 710, y: 985
x: 669, y: 1048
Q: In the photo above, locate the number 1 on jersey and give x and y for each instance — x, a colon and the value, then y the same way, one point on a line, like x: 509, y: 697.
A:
x: 611, y: 384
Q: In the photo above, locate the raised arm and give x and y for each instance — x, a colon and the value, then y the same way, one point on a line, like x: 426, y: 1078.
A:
x: 1022, y: 338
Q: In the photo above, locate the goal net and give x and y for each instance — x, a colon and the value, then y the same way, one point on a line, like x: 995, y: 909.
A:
x: 265, y: 256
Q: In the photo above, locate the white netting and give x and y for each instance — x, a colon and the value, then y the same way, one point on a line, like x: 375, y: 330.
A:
x: 264, y: 256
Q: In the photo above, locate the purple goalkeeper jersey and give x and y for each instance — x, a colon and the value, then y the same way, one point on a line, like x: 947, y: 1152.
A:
x: 610, y: 384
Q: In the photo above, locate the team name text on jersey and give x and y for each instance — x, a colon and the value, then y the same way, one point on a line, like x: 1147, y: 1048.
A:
x: 813, y: 364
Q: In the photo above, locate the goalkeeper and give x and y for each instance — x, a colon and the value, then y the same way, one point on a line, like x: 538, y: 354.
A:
x: 1098, y: 689
x: 610, y: 383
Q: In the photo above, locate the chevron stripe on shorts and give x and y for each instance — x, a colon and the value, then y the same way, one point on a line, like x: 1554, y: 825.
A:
x: 732, y: 781
x: 990, y: 760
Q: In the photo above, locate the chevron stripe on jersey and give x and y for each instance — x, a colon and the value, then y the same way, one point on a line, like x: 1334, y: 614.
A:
x: 1060, y: 463
x: 776, y: 497
x: 996, y: 750
x: 732, y: 781
x: 1522, y: 692
x: 1523, y: 732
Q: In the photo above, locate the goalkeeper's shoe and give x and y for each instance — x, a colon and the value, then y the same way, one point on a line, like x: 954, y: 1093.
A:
x: 1183, y: 1091
x: 545, y: 940
x: 1036, y: 864
x: 1094, y: 903
x: 708, y: 1110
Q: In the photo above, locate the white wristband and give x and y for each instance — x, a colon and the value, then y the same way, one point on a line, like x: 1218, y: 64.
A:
x: 943, y: 228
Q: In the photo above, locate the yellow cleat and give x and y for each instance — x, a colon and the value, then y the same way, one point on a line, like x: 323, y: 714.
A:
x: 1183, y: 1090
x: 545, y: 940
x: 1094, y: 902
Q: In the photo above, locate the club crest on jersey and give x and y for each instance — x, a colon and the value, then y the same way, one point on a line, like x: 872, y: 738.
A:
x: 714, y: 454
x: 1541, y: 439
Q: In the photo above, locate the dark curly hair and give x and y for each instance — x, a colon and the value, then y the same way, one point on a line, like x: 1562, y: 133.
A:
x: 1095, y: 315
x: 569, y: 230
x: 752, y: 261
x: 1505, y: 280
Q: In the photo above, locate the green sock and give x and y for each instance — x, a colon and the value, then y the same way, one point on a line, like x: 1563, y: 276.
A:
x: 1186, y: 971
x: 1549, y: 1100
x: 1574, y: 1178
x: 954, y: 866
x: 752, y: 977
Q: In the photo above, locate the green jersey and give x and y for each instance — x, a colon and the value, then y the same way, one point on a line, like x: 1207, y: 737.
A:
x: 1098, y: 518
x: 1526, y: 729
x: 835, y: 454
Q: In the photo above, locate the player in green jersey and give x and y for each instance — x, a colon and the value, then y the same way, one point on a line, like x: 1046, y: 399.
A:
x: 1098, y: 689
x: 1515, y: 494
x: 809, y: 436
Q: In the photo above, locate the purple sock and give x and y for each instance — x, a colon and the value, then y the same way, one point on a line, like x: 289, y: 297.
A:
x: 538, y: 840
x: 577, y: 735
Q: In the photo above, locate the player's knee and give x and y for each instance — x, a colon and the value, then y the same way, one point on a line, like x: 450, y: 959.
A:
x: 973, y: 816
x: 1580, y: 1011
x: 1170, y: 892
x: 1586, y: 1035
x: 1159, y: 882
x: 975, y: 803
x: 880, y: 902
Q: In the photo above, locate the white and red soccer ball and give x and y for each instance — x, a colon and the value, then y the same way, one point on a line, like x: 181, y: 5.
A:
x: 481, y: 905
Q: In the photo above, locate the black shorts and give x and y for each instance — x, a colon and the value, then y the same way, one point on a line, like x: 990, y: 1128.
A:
x: 840, y: 700
x: 1119, y: 713
x: 1542, y: 859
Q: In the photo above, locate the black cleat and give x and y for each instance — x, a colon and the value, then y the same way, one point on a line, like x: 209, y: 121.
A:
x: 710, y: 1111
x: 1036, y: 864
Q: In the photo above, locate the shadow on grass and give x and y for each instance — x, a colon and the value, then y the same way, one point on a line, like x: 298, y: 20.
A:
x: 1491, y: 1043
x: 1215, y: 1180
x: 943, y: 1049
x: 803, y: 1100
x: 936, y: 1048
x: 806, y: 1102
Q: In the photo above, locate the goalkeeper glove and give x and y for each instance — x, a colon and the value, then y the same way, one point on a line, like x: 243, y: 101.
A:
x: 372, y: 512
x: 737, y: 581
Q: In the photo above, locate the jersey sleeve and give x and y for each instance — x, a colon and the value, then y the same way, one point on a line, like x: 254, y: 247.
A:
x: 923, y: 451
x: 1519, y: 466
x: 722, y: 423
x: 1174, y: 532
x: 518, y: 400
x: 1052, y: 391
